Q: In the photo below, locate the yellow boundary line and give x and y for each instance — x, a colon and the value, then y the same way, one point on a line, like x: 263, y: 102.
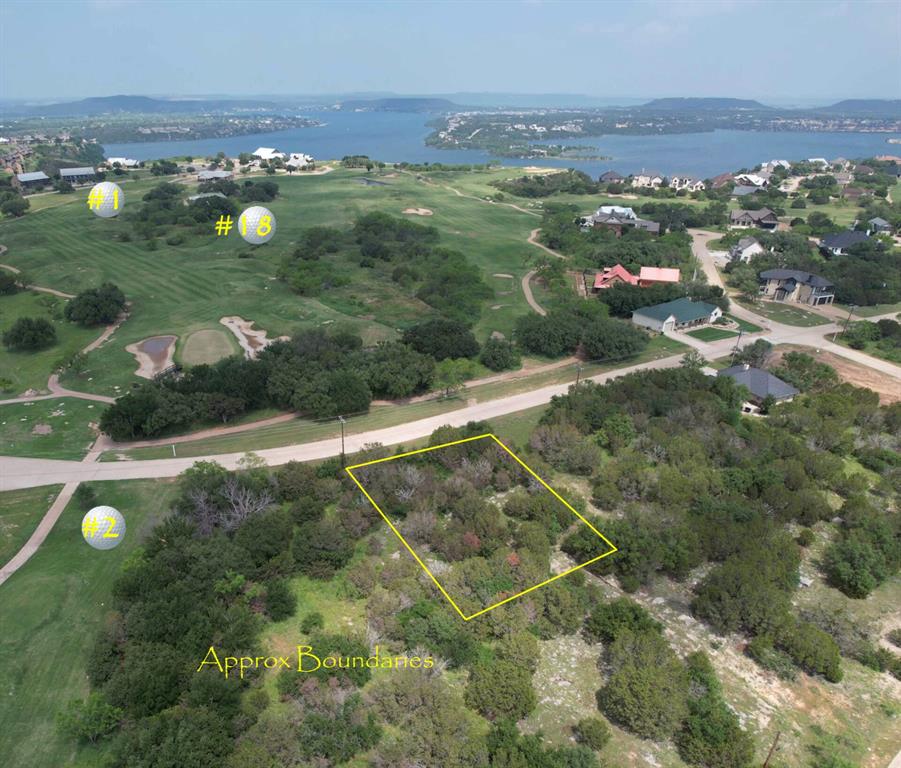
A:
x: 425, y: 568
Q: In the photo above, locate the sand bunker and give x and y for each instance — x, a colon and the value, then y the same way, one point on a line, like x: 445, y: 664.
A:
x: 251, y: 341
x: 418, y: 211
x: 154, y: 355
x: 502, y: 274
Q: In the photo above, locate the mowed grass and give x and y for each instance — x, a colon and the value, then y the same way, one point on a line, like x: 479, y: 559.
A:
x: 876, y: 309
x: 30, y: 370
x: 783, y: 313
x: 206, y: 346
x: 183, y: 289
x: 50, y: 611
x: 20, y: 513
x: 67, y: 417
x: 746, y: 326
x: 712, y: 334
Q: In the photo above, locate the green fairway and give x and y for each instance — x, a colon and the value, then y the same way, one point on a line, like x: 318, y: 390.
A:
x: 20, y: 512
x: 48, y: 429
x: 187, y: 288
x: 30, y: 370
x: 712, y: 334
x: 783, y: 313
x: 50, y: 611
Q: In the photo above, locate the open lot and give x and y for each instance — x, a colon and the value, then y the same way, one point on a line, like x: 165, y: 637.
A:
x: 784, y: 313
x: 54, y: 429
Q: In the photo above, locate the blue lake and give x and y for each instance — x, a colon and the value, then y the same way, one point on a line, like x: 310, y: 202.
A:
x: 393, y: 137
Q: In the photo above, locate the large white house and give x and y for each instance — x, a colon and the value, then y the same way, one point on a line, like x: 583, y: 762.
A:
x: 745, y: 249
x: 647, y: 179
x: 688, y: 183
x: 299, y: 160
x: 268, y: 153
x: 124, y: 162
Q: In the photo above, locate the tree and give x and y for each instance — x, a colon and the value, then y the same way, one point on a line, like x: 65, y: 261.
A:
x: 608, y: 620
x: 648, y: 687
x: 442, y: 339
x: 395, y: 370
x: 89, y: 719
x: 500, y: 689
x: 612, y: 340
x: 29, y: 334
x: 450, y: 375
x: 15, y: 206
x: 499, y: 355
x: 743, y: 277
x: 8, y: 284
x: 593, y: 732
x: 96, y: 306
x: 554, y: 335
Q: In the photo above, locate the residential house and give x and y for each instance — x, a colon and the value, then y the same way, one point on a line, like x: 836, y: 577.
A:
x: 840, y: 163
x: 759, y: 179
x: 78, y: 175
x: 761, y: 385
x: 676, y: 315
x: 299, y: 160
x: 745, y: 249
x: 654, y: 275
x: 214, y: 175
x: 856, y: 193
x: 29, y: 182
x: 122, y: 162
x: 892, y: 170
x: 724, y: 179
x: 611, y: 177
x: 864, y: 170
x: 268, y: 153
x: 838, y: 243
x: 648, y: 179
x: 688, y: 183
x: 616, y: 218
x: 878, y: 224
x: 821, y: 161
x: 843, y: 178
x: 761, y: 219
x: 612, y: 276
x: 772, y: 165
x: 796, y: 285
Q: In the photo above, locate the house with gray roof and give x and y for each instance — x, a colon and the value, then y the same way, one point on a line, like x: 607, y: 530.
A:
x: 838, y: 243
x: 30, y: 181
x: 78, y: 175
x: 761, y: 219
x: 745, y: 249
x: 676, y: 315
x: 878, y: 224
x: 214, y: 175
x: 796, y: 285
x: 760, y: 384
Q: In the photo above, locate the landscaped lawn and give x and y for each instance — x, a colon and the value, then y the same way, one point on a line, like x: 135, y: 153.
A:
x: 876, y: 309
x: 712, y: 334
x: 30, y: 370
x: 20, y: 513
x: 23, y: 428
x: 783, y: 313
x: 744, y: 324
x: 50, y: 611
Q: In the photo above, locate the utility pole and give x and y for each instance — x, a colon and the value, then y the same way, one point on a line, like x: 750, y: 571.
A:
x: 341, y: 419
x: 766, y: 762
x: 737, y: 344
x: 851, y: 308
x: 578, y: 374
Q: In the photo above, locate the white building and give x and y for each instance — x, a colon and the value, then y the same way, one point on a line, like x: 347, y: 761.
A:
x: 268, y: 153
x: 124, y: 162
x: 299, y: 160
x: 688, y: 183
x: 745, y: 249
x: 647, y: 179
x: 616, y: 210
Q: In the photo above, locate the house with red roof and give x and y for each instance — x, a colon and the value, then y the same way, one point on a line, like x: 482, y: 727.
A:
x: 611, y: 276
x: 654, y: 275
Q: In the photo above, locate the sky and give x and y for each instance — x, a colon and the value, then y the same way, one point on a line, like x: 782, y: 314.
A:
x: 788, y: 50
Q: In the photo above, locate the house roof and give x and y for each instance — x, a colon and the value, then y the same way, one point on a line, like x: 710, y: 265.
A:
x: 798, y: 275
x: 649, y: 174
x: 893, y: 170
x: 203, y: 175
x: 611, y: 176
x: 740, y: 190
x: 878, y: 221
x: 743, y: 244
x: 617, y: 209
x: 760, y: 383
x: 844, y: 239
x: 659, y: 274
x: 722, y: 179
x: 85, y: 171
x: 646, y: 225
x: 684, y: 310
x: 607, y: 277
x: 763, y: 213
x: 33, y: 176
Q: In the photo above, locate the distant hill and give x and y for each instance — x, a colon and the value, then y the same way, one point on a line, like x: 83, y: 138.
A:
x: 694, y: 104
x: 105, y: 105
x: 401, y: 104
x: 874, y: 107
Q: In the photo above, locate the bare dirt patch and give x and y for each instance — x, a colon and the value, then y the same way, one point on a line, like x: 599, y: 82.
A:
x: 418, y: 211
x: 42, y: 429
x: 154, y: 355
x: 859, y: 375
x: 251, y: 340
